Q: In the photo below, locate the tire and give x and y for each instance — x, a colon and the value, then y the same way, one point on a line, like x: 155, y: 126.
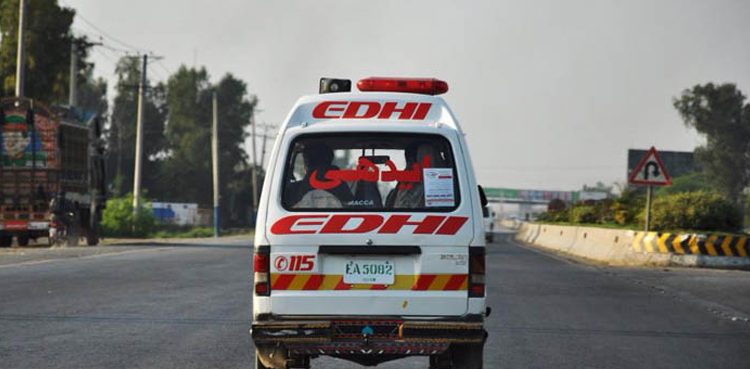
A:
x: 71, y: 239
x: 92, y: 239
x: 258, y: 364
x: 6, y: 240
x: 23, y: 240
x: 441, y: 361
x: 470, y: 356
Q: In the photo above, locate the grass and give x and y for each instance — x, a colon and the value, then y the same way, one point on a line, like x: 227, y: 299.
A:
x: 192, y: 232
x: 196, y: 232
x: 174, y: 231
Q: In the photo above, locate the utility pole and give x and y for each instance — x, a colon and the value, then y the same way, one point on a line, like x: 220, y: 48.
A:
x: 263, y: 146
x: 139, y: 139
x: 118, y: 173
x: 265, y: 136
x: 73, y: 86
x: 21, y: 51
x: 254, y: 172
x: 215, y: 161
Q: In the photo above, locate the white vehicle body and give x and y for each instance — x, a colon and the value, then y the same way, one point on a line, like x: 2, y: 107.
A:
x: 423, y: 280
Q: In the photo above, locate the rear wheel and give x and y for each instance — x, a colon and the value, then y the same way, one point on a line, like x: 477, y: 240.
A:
x: 258, y: 363
x: 441, y: 361
x: 469, y: 356
x: 92, y: 239
x: 72, y: 236
x: 6, y: 240
x: 23, y: 239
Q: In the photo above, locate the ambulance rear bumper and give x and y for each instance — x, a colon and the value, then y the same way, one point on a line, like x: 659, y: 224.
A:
x: 367, y: 336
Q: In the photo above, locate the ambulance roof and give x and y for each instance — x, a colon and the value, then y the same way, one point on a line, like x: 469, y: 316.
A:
x: 370, y: 110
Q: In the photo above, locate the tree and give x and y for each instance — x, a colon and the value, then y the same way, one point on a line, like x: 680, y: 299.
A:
x: 691, y: 182
x: 47, y: 43
x: 122, y: 129
x: 92, y: 95
x: 720, y: 113
x: 187, y: 166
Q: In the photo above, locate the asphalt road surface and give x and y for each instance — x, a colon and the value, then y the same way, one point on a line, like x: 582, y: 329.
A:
x: 188, y: 306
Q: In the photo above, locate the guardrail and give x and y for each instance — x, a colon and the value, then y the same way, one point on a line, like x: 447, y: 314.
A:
x: 627, y: 247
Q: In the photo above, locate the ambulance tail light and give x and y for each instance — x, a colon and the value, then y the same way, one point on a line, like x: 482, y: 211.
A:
x: 425, y: 86
x: 476, y: 272
x: 261, y: 272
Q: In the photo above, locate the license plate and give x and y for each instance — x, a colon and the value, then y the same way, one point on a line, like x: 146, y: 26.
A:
x: 369, y: 271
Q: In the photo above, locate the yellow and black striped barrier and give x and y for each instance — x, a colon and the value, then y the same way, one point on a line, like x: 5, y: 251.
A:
x: 692, y: 244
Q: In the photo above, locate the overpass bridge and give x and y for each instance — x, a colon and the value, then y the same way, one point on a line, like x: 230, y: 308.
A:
x: 525, y: 203
x: 517, y: 196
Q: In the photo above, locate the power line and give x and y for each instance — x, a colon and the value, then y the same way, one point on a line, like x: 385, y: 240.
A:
x: 100, y: 40
x: 104, y: 33
x: 163, y: 67
x: 105, y: 55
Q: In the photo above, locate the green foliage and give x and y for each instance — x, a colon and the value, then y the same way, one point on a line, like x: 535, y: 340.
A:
x: 554, y: 216
x: 583, y: 214
x: 47, y: 45
x: 691, y: 182
x: 618, y: 212
x: 118, y: 219
x: 720, y: 113
x: 184, y: 232
x: 621, y: 213
x: 186, y: 171
x: 121, y: 132
x: 177, y: 156
x: 699, y: 210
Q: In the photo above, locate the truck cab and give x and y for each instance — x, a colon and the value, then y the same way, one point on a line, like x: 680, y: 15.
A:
x: 369, y: 242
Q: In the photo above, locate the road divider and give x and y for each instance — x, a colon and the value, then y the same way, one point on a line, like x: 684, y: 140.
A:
x: 632, y: 248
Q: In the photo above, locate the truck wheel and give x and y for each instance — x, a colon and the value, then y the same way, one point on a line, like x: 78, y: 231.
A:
x: 6, y: 240
x: 23, y: 240
x: 469, y: 356
x: 71, y: 239
x: 441, y: 361
x: 258, y: 364
x: 92, y: 239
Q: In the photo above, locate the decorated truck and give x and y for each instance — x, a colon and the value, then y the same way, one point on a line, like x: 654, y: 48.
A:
x: 51, y: 174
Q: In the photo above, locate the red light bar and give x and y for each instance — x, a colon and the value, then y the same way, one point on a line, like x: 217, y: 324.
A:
x: 426, y: 86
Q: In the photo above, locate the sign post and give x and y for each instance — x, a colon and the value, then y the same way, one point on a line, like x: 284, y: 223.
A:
x: 650, y: 171
x: 649, y: 193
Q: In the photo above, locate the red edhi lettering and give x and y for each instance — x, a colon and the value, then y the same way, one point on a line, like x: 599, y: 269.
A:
x: 371, y: 109
x: 366, y: 223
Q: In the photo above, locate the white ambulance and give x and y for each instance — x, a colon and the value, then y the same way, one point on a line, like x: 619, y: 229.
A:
x: 369, y: 243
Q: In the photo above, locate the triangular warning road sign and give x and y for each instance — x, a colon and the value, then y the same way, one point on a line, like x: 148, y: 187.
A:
x: 650, y: 171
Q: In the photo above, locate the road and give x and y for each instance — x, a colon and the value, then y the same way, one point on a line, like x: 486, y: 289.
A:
x: 188, y: 306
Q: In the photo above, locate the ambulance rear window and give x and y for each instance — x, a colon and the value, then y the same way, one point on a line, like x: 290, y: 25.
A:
x: 370, y: 172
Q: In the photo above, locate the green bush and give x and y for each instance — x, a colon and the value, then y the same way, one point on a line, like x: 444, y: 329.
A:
x: 583, y: 214
x: 553, y: 216
x: 698, y: 210
x: 171, y: 231
x: 118, y: 219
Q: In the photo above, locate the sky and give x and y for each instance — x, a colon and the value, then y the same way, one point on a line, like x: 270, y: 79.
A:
x: 551, y: 94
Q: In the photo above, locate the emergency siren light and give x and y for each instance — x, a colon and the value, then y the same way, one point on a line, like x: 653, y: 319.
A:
x: 425, y: 86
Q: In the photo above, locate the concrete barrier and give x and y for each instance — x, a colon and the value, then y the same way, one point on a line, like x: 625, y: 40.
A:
x: 510, y: 223
x: 560, y: 238
x: 627, y: 247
